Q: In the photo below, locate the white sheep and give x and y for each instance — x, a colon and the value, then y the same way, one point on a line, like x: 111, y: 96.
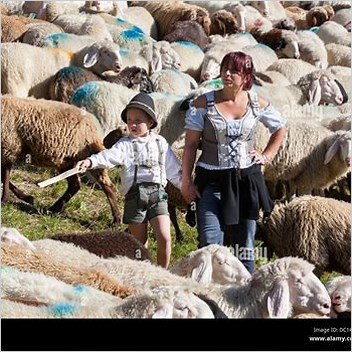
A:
x: 213, y: 263
x: 191, y: 58
x: 317, y: 229
x: 332, y: 32
x: 292, y: 69
x: 12, y: 235
x: 218, y: 49
x: 312, y: 49
x: 338, y: 55
x: 173, y: 81
x: 343, y: 17
x: 339, y: 289
x: 46, y: 290
x: 308, y: 163
x: 279, y: 289
x: 26, y: 70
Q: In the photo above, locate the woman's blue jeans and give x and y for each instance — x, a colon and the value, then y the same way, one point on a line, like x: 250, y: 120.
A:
x: 211, y: 228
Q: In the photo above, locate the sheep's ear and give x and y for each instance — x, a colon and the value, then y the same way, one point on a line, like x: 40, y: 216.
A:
x: 164, y: 312
x: 202, y: 268
x: 278, y: 300
x: 314, y: 92
x: 343, y: 92
x: 156, y: 63
x: 332, y: 150
x: 90, y: 58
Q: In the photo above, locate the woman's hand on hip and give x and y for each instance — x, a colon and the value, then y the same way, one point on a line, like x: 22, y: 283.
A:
x: 259, y: 158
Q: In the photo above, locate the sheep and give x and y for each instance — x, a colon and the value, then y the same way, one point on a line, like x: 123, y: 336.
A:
x: 339, y: 289
x: 67, y: 41
x: 292, y: 69
x: 315, y: 228
x: 12, y: 235
x: 173, y: 81
x: 332, y: 32
x: 107, y: 244
x: 343, y: 17
x: 14, y: 27
x: 153, y: 57
x: 163, y: 302
x: 106, y: 101
x: 271, y: 77
x: 36, y: 33
x: 312, y: 49
x: 22, y: 76
x: 166, y: 14
x: 223, y: 22
x: 262, y: 56
x: 189, y: 31
x: 51, y: 134
x: 217, y: 50
x: 307, y: 163
x: 37, y: 288
x: 213, y: 263
x: 338, y: 55
x: 339, y: 123
x: 322, y: 87
x: 279, y: 289
x: 36, y: 261
x: 68, y: 79
x: 284, y: 42
x: 185, y: 51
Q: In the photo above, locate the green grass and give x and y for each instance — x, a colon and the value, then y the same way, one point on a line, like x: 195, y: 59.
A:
x: 88, y: 210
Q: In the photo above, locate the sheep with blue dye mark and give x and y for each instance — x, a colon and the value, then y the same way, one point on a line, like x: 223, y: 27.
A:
x: 68, y: 79
x: 38, y: 262
x: 317, y: 229
x: 22, y: 76
x: 37, y: 288
x: 106, y: 101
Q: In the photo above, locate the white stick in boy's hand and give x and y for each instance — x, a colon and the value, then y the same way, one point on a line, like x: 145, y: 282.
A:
x: 60, y: 177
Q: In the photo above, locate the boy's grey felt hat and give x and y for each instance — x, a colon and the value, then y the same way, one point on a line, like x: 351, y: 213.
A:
x: 144, y: 102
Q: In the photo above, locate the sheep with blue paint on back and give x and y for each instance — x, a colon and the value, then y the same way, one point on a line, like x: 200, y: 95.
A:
x: 68, y: 79
x: 38, y: 288
x: 22, y: 76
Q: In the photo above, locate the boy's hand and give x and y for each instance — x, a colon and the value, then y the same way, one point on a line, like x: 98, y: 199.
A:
x: 84, y: 165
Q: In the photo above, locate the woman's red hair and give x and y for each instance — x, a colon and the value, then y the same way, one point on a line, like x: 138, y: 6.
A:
x: 242, y: 63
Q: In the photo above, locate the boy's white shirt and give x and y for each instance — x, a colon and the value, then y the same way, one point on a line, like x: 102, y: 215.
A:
x: 147, y: 152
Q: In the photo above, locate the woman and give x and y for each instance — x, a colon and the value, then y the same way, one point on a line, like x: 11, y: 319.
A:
x: 229, y: 185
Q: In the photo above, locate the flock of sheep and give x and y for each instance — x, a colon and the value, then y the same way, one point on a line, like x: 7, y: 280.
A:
x: 68, y: 69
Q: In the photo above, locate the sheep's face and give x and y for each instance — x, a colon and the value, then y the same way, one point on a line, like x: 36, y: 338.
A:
x: 210, y: 70
x: 227, y: 269
x: 330, y: 91
x: 341, y: 298
x: 308, y: 294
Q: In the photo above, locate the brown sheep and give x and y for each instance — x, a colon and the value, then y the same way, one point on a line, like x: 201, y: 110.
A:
x: 316, y: 229
x: 107, y: 244
x: 223, y: 22
x: 50, y: 134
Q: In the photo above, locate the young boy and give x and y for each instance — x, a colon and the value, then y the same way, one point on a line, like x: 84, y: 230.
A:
x: 147, y: 163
